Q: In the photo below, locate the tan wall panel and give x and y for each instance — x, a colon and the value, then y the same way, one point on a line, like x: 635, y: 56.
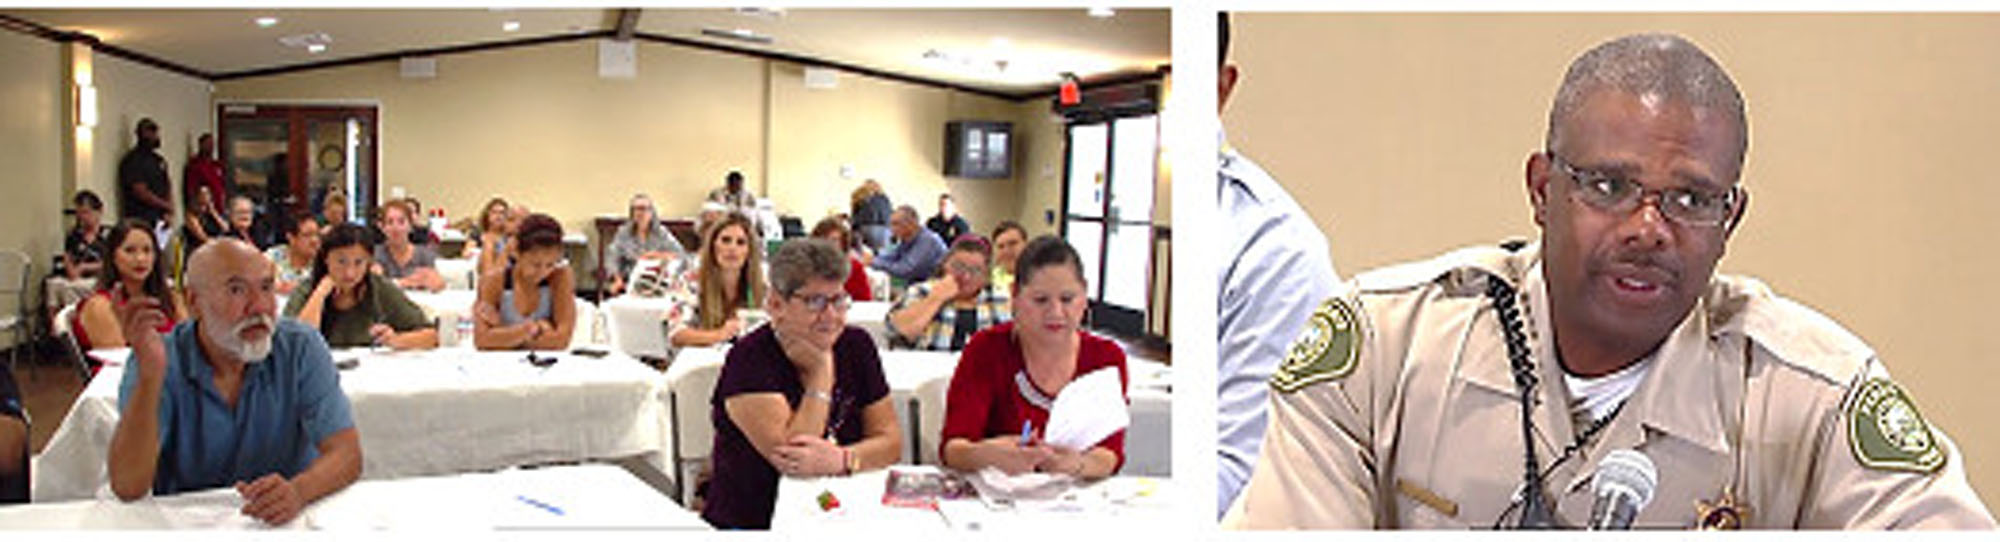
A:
x: 889, y: 131
x: 1870, y: 161
x: 536, y: 124
x: 31, y: 126
x: 126, y: 92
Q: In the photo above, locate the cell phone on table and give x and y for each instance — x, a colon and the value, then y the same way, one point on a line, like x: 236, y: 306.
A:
x: 590, y: 352
x: 542, y: 361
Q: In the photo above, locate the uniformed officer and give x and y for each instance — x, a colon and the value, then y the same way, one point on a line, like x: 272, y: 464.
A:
x: 1482, y: 388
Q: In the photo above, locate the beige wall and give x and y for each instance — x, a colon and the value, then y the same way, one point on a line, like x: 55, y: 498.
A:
x: 1040, y: 149
x: 31, y: 125
x: 538, y: 125
x: 885, y: 130
x: 126, y: 92
x: 1870, y: 161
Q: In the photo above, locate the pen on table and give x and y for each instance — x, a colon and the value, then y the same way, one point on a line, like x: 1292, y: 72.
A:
x: 539, y: 504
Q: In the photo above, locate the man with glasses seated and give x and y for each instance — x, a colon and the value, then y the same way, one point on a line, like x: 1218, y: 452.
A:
x: 1489, y: 387
x: 944, y: 313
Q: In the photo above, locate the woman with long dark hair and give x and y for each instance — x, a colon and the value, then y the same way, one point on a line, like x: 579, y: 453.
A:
x: 352, y: 306
x: 134, y: 270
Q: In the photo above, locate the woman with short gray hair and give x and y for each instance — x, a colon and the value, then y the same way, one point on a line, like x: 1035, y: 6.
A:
x: 803, y: 396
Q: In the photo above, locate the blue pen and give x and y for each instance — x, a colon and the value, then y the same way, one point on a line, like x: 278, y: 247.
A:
x: 1027, y: 431
x: 539, y: 504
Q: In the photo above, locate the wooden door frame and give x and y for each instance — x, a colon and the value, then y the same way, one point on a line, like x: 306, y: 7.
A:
x: 296, y: 116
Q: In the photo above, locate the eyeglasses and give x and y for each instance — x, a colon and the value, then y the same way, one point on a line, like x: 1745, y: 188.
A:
x: 818, y: 303
x: 966, y: 268
x: 1616, y: 194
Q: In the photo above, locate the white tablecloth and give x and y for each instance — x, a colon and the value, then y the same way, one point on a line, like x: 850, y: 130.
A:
x: 1115, y: 504
x: 424, y: 413
x: 440, y: 302
x: 588, y: 496
x: 1148, y: 441
x: 634, y: 324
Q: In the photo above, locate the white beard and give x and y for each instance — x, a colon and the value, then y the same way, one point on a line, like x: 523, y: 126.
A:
x: 253, y: 351
x: 250, y: 351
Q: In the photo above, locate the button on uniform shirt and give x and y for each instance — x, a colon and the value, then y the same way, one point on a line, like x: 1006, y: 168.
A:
x: 1276, y: 271
x: 1757, y: 412
x: 288, y: 404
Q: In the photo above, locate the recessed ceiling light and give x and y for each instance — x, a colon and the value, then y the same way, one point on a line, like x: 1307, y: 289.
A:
x: 267, y: 22
x: 767, y: 13
x: 510, y: 26
x: 315, y: 48
x: 1102, y: 12
x: 739, y: 34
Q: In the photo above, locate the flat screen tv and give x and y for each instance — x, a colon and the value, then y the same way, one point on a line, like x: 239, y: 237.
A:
x: 978, y: 149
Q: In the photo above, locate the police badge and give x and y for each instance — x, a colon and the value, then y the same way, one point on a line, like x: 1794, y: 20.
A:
x: 1327, y: 349
x: 1886, y: 432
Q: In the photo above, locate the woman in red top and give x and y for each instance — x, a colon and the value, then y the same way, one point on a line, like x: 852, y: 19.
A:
x: 133, y: 272
x: 1010, y: 373
x: 834, y: 229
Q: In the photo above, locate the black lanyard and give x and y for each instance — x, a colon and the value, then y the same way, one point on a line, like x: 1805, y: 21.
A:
x: 1537, y: 511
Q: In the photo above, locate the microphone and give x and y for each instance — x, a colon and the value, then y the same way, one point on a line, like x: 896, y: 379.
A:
x: 1624, y: 484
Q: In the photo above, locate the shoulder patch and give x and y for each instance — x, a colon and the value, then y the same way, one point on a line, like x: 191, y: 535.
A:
x: 1886, y: 432
x: 1327, y: 349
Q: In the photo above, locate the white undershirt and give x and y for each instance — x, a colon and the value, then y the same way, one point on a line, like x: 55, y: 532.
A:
x: 1602, y: 395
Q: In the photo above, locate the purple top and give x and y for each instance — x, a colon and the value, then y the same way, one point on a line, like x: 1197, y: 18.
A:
x: 744, y: 487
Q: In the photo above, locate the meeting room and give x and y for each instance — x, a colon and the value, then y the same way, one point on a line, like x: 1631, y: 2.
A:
x: 804, y: 270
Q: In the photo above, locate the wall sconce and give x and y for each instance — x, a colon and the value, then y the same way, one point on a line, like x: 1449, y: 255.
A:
x: 86, y: 105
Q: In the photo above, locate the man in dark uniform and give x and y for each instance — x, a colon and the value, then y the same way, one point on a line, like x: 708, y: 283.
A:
x: 142, y: 178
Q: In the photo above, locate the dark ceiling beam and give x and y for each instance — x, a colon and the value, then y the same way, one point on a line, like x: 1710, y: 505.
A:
x: 61, y: 36
x: 628, y: 24
x: 395, y: 55
x: 823, y: 63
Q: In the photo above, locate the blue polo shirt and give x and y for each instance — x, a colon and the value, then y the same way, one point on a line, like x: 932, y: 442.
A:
x: 288, y: 404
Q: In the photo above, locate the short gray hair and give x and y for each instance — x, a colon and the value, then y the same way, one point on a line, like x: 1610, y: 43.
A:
x: 802, y: 259
x: 1663, y: 65
x: 906, y: 209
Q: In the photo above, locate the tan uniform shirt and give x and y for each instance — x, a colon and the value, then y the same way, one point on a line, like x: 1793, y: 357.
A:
x: 1399, y: 410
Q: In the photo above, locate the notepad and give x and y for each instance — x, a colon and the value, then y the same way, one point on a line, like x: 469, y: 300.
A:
x: 1090, y: 409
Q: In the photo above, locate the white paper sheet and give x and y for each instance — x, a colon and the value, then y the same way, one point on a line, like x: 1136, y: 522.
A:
x: 1089, y: 409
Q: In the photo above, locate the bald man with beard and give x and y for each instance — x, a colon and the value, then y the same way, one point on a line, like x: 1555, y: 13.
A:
x: 231, y: 397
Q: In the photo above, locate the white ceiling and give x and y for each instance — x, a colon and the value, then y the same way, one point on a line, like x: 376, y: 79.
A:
x: 1037, y: 43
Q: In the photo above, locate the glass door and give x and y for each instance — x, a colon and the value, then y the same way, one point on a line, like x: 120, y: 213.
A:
x: 287, y: 158
x: 1108, y: 215
x: 1083, y: 214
